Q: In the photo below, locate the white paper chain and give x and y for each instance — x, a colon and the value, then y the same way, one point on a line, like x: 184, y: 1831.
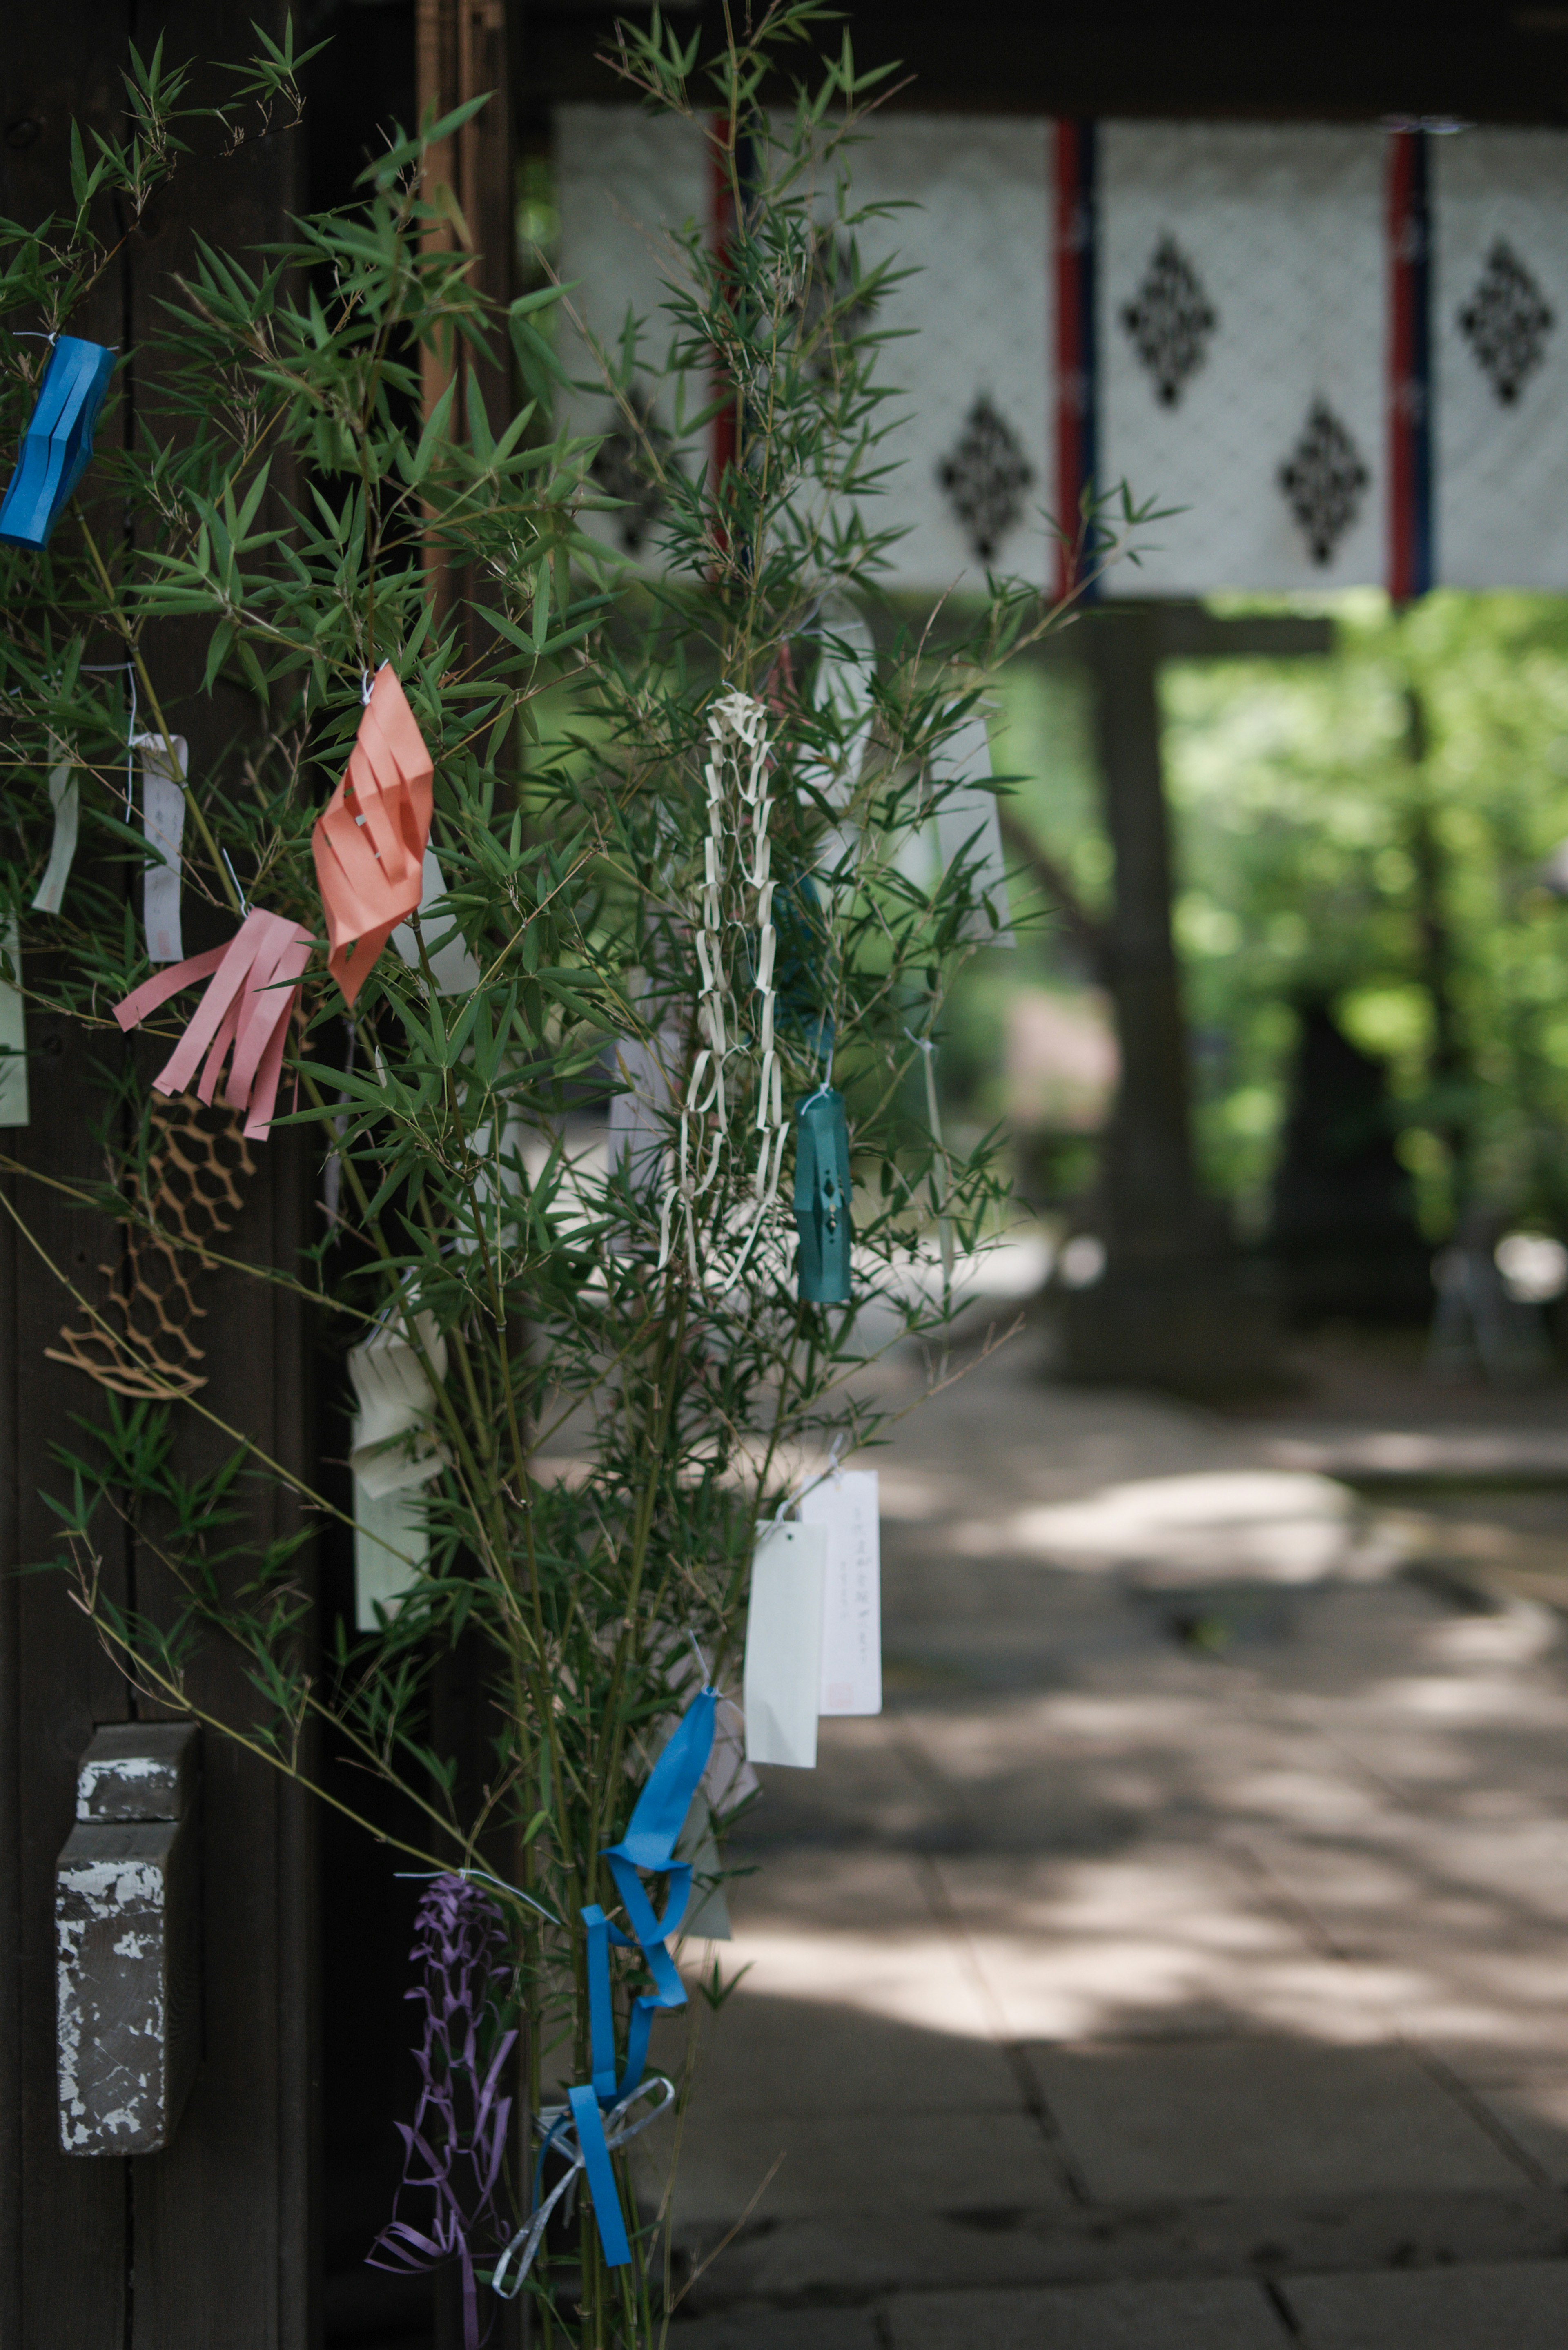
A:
x: 736, y: 774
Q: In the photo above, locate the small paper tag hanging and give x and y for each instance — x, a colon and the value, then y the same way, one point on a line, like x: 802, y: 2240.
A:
x: 452, y: 965
x: 393, y: 1454
x: 968, y: 825
x: 163, y: 828
x: 822, y: 1198
x: 391, y: 1549
x: 845, y: 1506
x: 783, y: 1645
x: 65, y: 798
x: 13, y: 1029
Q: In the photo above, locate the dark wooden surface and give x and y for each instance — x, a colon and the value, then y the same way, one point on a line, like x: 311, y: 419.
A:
x: 209, y: 2242
x: 1338, y: 61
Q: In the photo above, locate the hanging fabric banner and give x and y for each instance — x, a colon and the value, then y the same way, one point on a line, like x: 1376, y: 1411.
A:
x: 1500, y: 358
x: 393, y: 1455
x: 845, y: 1506
x: 1241, y: 275
x: 56, y: 446
x: 1330, y: 349
x: 969, y: 826
x: 782, y: 1672
x: 163, y: 828
x: 822, y: 1194
x: 370, y: 840
x: 13, y: 1028
x: 246, y: 1008
x: 65, y: 798
x: 448, y: 952
x: 971, y: 433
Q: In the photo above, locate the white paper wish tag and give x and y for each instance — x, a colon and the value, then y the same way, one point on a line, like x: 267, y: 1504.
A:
x: 162, y: 827
x: 784, y: 1644
x: 845, y: 1506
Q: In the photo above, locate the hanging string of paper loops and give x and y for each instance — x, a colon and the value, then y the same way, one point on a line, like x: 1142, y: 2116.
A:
x: 736, y: 867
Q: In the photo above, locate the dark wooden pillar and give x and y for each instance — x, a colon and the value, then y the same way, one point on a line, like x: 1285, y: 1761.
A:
x: 1150, y: 1188
x: 210, y: 2240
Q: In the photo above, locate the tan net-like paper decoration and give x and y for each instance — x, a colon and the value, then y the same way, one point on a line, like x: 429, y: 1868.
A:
x: 197, y: 1161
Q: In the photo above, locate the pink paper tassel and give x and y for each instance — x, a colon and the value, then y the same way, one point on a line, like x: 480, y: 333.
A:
x: 245, y: 1006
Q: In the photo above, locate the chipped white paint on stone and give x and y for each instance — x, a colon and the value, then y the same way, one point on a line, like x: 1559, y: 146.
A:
x: 125, y: 1940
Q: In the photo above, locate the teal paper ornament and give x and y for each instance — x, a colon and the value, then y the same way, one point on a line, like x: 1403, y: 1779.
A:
x: 58, y: 442
x: 822, y: 1198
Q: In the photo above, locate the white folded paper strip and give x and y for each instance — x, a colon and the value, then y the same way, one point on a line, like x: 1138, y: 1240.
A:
x: 163, y: 828
x: 453, y: 966
x: 65, y: 798
x: 394, y: 1453
x: 845, y: 1506
x: 782, y: 1686
x: 13, y: 1030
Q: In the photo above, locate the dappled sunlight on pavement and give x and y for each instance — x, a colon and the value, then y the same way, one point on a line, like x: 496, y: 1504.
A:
x: 1179, y: 1959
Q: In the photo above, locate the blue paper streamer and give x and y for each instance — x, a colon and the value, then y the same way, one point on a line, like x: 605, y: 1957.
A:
x: 649, y: 1841
x: 58, y: 444
x: 822, y: 1198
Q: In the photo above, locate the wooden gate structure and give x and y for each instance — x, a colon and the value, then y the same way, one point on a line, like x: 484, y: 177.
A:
x: 215, y: 2239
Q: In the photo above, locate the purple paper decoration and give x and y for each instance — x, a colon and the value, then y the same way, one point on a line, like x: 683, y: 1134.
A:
x: 455, y: 2147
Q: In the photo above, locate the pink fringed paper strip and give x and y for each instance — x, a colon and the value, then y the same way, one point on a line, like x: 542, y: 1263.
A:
x: 369, y: 839
x: 246, y: 1006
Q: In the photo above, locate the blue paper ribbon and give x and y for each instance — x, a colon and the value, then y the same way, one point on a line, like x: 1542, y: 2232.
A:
x: 822, y: 1198
x: 58, y: 444
x: 656, y: 1820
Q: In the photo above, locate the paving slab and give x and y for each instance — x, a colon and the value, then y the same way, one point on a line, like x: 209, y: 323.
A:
x: 1522, y: 2306
x: 864, y: 2255
x: 783, y: 2056
x: 817, y: 2166
x: 1228, y: 2315
x: 1260, y: 2117
x: 779, y: 2329
x: 1534, y: 2113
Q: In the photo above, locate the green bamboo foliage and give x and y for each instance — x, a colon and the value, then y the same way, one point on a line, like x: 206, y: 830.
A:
x: 281, y: 493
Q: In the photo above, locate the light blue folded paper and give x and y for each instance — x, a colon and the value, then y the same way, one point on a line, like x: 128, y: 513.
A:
x: 58, y: 444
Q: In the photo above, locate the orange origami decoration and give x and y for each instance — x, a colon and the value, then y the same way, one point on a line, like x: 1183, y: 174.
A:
x: 369, y: 839
x: 247, y: 1005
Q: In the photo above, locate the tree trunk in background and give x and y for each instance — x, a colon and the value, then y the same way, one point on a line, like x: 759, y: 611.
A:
x: 1173, y: 1307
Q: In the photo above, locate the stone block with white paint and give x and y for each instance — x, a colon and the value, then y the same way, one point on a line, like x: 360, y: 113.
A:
x: 126, y: 1942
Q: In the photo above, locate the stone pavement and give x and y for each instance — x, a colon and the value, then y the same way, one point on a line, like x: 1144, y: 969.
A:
x: 1178, y: 1962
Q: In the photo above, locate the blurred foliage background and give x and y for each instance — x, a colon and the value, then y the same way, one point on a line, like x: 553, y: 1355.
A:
x: 1376, y: 830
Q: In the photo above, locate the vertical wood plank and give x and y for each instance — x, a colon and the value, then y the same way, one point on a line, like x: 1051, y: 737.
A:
x: 223, y: 2236
x: 62, y: 2261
